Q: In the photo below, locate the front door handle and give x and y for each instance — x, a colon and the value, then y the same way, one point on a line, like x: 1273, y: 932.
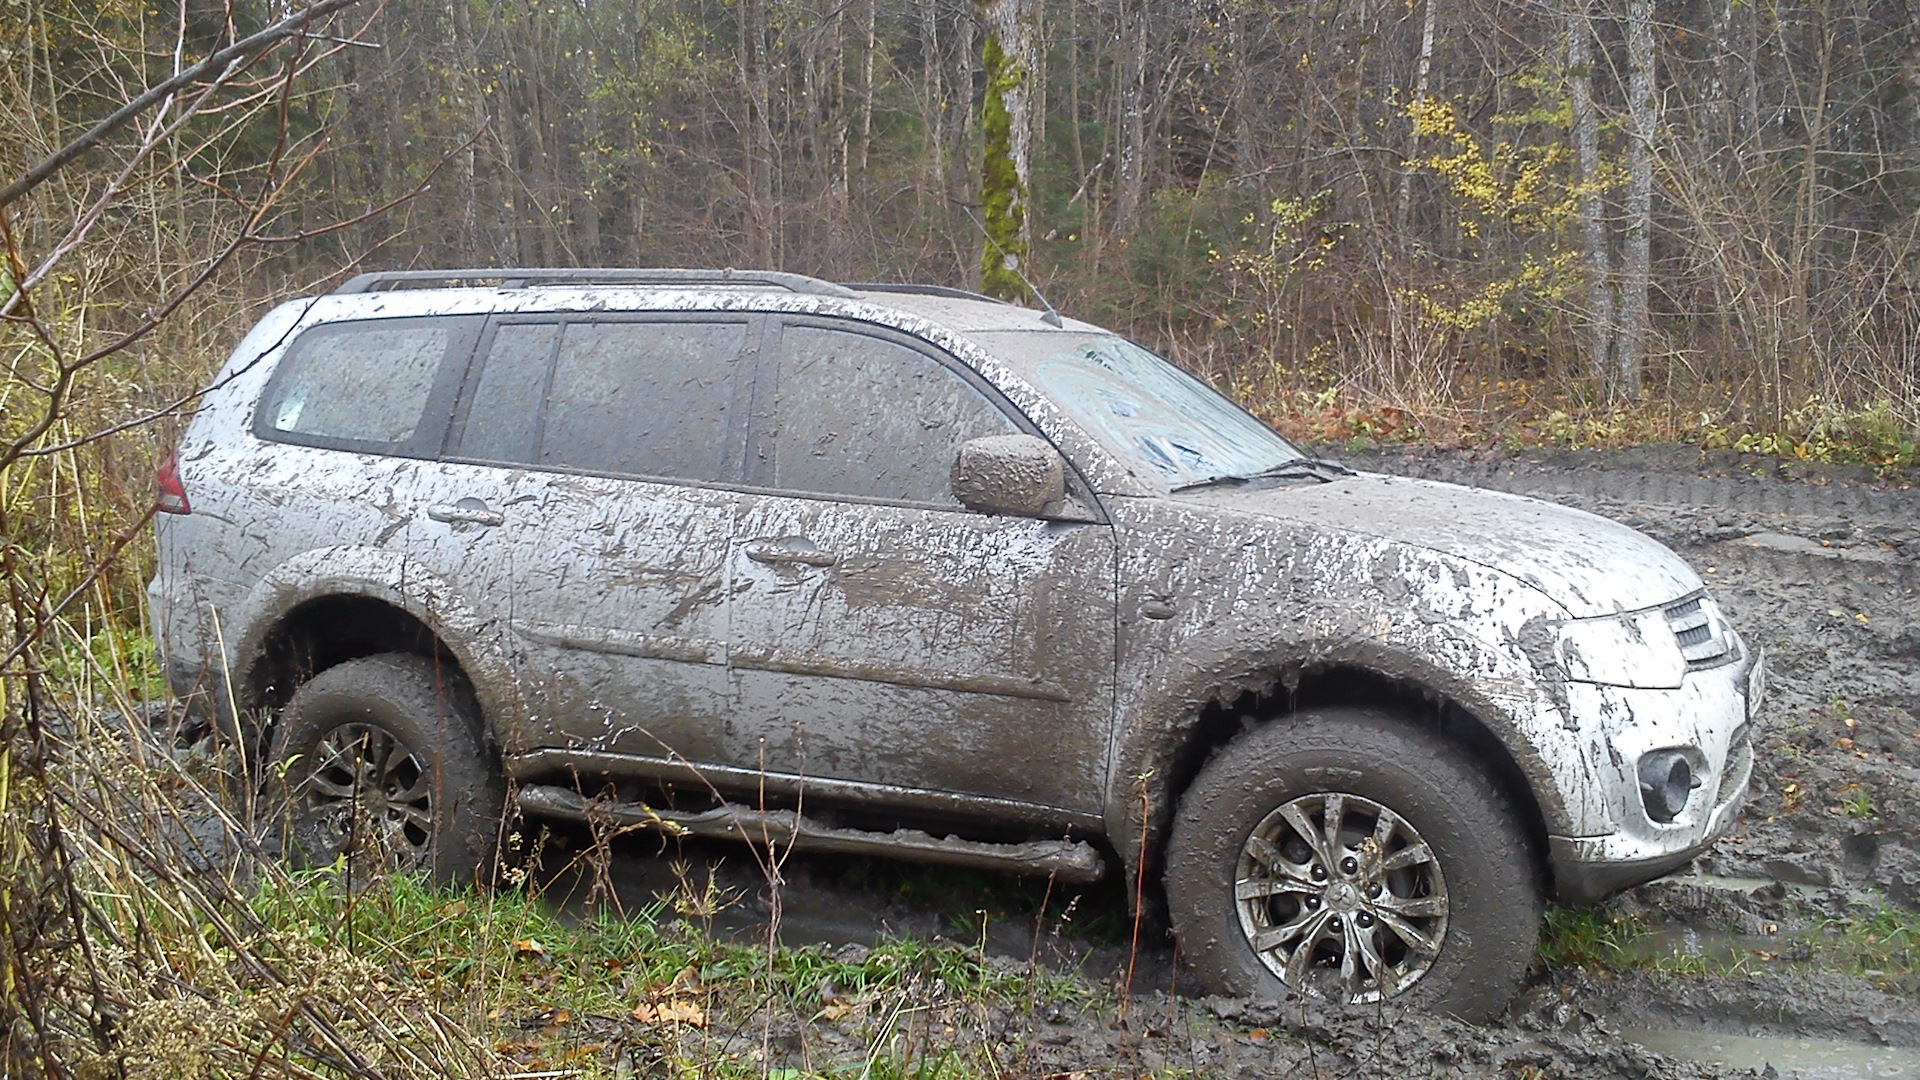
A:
x: 468, y: 511
x: 791, y: 549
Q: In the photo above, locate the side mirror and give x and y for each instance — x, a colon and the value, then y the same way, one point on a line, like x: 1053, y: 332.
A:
x: 1019, y: 475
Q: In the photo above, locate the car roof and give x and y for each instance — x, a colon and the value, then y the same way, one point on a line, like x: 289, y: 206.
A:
x: 529, y: 290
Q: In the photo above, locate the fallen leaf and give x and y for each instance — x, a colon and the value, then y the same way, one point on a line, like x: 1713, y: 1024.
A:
x: 685, y: 981
x: 527, y: 946
x: 676, y: 1011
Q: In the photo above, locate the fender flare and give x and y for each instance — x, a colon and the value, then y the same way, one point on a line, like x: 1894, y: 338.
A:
x: 1162, y: 728
x: 483, y: 645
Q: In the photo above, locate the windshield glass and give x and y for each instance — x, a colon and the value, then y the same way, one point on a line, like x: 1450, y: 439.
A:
x: 1163, y: 423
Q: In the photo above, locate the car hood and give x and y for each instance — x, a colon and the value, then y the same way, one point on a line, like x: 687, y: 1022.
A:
x: 1590, y: 565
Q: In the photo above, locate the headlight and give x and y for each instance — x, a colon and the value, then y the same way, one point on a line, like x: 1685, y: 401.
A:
x: 1632, y: 649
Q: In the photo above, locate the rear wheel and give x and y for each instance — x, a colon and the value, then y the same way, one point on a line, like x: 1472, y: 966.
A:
x: 1346, y: 855
x: 382, y: 759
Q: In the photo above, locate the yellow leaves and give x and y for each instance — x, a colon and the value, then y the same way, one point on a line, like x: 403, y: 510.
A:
x: 672, y: 1004
x: 1519, y: 185
x: 1432, y: 119
x: 670, y: 1012
x: 1293, y: 243
x: 1470, y: 309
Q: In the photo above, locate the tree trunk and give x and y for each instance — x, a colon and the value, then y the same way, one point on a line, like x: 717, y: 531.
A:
x: 1636, y: 261
x: 867, y: 22
x: 1593, y: 228
x: 1422, y: 74
x: 1132, y: 178
x: 1006, y: 124
x: 756, y: 136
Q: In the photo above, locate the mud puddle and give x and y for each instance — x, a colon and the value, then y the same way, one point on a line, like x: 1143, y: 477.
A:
x: 1804, y: 1059
x: 1715, y: 946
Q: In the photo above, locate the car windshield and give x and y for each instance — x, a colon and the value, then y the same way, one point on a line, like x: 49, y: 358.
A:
x: 1164, y: 424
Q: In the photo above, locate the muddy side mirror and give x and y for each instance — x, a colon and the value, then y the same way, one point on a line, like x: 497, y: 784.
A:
x: 1019, y: 475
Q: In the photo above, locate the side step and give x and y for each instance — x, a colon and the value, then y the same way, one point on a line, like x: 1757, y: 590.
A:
x: 1066, y: 860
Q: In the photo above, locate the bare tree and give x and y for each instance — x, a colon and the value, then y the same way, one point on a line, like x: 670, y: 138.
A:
x: 1597, y: 250
x: 1636, y: 264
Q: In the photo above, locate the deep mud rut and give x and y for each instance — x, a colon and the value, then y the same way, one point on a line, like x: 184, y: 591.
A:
x: 1819, y: 568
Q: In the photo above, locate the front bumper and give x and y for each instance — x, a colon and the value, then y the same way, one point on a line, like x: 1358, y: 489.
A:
x: 1712, y: 717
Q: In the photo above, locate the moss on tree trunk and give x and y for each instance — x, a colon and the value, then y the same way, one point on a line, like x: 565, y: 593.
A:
x: 1003, y: 195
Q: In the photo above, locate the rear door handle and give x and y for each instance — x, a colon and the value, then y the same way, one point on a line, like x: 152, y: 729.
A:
x: 791, y: 549
x: 468, y: 511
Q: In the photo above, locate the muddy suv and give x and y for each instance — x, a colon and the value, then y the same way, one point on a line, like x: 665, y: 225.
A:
x: 905, y: 571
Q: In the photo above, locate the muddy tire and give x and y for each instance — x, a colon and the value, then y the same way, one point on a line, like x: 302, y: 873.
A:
x: 1424, y: 894
x: 383, y: 759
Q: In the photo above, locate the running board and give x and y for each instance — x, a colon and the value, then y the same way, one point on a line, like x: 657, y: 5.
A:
x: 1063, y: 859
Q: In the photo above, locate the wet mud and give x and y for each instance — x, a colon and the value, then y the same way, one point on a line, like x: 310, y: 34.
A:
x: 1818, y: 566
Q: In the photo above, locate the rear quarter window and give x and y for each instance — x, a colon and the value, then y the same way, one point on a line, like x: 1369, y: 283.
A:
x: 380, y: 385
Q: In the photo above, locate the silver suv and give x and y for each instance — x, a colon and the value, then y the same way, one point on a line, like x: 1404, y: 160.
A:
x: 905, y: 571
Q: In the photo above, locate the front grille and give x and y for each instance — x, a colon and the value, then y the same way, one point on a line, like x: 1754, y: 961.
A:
x: 1703, y: 635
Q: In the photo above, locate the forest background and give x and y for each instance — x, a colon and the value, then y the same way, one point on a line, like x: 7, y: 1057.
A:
x: 1477, y: 222
x: 1577, y: 221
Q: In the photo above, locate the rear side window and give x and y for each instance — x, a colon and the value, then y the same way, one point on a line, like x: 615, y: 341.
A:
x: 866, y: 416
x: 632, y: 398
x: 367, y: 385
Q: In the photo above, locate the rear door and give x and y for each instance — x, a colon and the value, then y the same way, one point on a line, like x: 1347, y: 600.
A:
x: 883, y: 636
x: 595, y: 450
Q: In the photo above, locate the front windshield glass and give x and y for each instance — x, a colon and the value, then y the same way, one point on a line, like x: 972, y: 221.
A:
x: 1164, y: 424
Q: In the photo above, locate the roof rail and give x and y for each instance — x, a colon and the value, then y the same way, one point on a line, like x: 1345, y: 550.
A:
x: 923, y: 290
x: 511, y: 278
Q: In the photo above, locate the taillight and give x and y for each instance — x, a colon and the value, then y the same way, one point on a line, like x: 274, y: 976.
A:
x: 173, y: 494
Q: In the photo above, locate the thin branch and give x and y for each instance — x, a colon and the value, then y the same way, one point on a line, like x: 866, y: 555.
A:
x: 239, y: 50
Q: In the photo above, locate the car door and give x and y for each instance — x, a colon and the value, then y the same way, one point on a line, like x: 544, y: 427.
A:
x: 883, y: 636
x: 595, y: 445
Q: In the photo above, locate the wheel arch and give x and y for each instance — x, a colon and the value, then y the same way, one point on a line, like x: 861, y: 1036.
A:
x: 325, y: 607
x: 1165, y: 746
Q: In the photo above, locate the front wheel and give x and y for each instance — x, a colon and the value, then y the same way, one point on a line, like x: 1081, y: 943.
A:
x: 1346, y: 855
x: 383, y: 758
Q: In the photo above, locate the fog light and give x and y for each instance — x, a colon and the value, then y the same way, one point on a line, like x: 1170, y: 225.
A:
x: 1666, y: 783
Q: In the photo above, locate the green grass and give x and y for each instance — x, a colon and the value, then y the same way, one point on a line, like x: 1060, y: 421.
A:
x: 1587, y: 937
x: 1882, y: 943
x: 1885, y: 941
x: 531, y: 973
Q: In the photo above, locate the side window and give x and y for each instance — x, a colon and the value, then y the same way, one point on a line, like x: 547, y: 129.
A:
x: 861, y: 415
x: 630, y: 398
x: 503, y: 413
x: 364, y: 385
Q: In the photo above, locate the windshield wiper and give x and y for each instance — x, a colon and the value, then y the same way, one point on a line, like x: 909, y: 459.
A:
x: 1314, y: 468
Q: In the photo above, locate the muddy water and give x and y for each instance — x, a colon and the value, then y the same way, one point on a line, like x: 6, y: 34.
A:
x: 1806, y: 1059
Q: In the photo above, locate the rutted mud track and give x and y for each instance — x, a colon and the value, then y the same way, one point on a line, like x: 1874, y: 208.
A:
x: 1819, y: 568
